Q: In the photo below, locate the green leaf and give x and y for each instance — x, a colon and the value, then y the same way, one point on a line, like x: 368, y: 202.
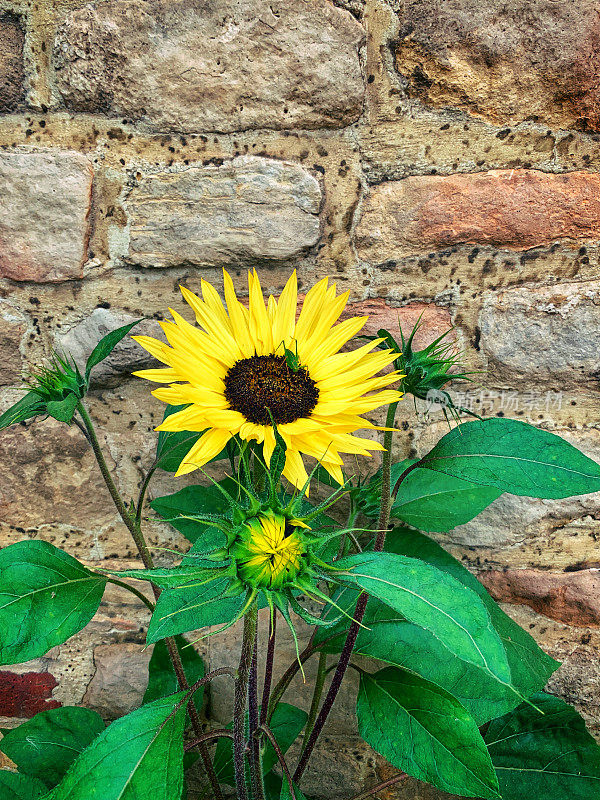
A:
x: 196, y: 501
x: 45, y: 597
x: 106, y: 345
x: 27, y: 407
x: 514, y: 457
x: 544, y: 756
x: 20, y: 787
x: 63, y: 410
x: 435, y: 601
x: 424, y: 731
x: 530, y: 666
x: 432, y: 501
x: 286, y: 723
x: 287, y: 795
x: 192, y: 606
x: 162, y: 680
x: 138, y: 756
x: 45, y: 747
x: 391, y: 638
x: 173, y: 446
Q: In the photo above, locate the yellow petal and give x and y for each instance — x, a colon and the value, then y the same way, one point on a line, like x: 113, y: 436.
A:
x: 207, y: 446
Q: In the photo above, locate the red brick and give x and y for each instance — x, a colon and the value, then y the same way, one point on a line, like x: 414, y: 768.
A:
x: 27, y: 694
x: 435, y: 320
x: 569, y: 597
x: 516, y: 209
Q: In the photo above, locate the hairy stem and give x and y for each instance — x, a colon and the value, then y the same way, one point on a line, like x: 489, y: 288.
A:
x: 386, y: 479
x: 253, y: 738
x: 317, y: 694
x: 133, y: 526
x: 361, y: 605
x: 380, y: 787
x: 219, y: 733
x: 140, y: 595
x: 284, y: 767
x: 128, y: 520
x: 266, y: 695
x: 239, y: 702
x: 293, y: 668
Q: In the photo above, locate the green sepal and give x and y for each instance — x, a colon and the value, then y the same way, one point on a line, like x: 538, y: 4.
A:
x: 106, y: 345
x: 63, y: 410
x: 29, y: 406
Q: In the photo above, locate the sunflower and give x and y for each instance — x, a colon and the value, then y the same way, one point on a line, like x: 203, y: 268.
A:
x: 245, y: 367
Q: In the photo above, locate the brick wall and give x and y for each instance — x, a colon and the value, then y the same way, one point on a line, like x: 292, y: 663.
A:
x: 432, y: 156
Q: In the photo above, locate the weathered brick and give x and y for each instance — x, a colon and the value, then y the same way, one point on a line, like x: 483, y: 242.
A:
x: 227, y: 66
x: 12, y: 329
x: 120, y: 679
x: 12, y: 39
x: 245, y: 209
x: 504, y: 61
x: 578, y: 677
x: 79, y: 341
x: 569, y: 597
x: 44, y: 208
x: 433, y: 320
x: 514, y: 209
x: 544, y: 334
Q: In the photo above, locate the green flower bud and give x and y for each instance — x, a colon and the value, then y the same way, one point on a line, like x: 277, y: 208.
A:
x: 270, y: 551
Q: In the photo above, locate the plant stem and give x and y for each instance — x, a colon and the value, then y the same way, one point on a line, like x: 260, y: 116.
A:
x: 239, y: 702
x: 134, y: 527
x: 293, y: 668
x: 280, y: 756
x: 361, y: 605
x: 386, y: 479
x: 140, y: 595
x: 317, y: 694
x: 253, y: 738
x: 129, y: 522
x: 380, y: 786
x: 266, y: 695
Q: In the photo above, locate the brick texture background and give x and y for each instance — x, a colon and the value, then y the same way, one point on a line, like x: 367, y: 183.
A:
x: 435, y: 157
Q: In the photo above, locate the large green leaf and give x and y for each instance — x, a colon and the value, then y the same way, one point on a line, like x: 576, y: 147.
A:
x: 546, y: 756
x: 106, y: 345
x: 514, y: 457
x: 20, y: 787
x: 286, y: 723
x: 138, y: 756
x: 423, y: 730
x: 45, y: 747
x: 428, y: 500
x: 45, y: 597
x: 388, y: 637
x: 435, y: 601
x: 391, y: 638
x: 433, y: 501
x: 530, y: 666
x: 30, y: 405
x: 162, y: 680
x: 192, y: 606
x: 195, y: 501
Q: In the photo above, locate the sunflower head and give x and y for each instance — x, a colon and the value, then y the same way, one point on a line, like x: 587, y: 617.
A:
x: 246, y: 369
x: 270, y: 552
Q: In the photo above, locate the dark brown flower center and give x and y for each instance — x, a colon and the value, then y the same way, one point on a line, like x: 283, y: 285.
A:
x: 255, y: 385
